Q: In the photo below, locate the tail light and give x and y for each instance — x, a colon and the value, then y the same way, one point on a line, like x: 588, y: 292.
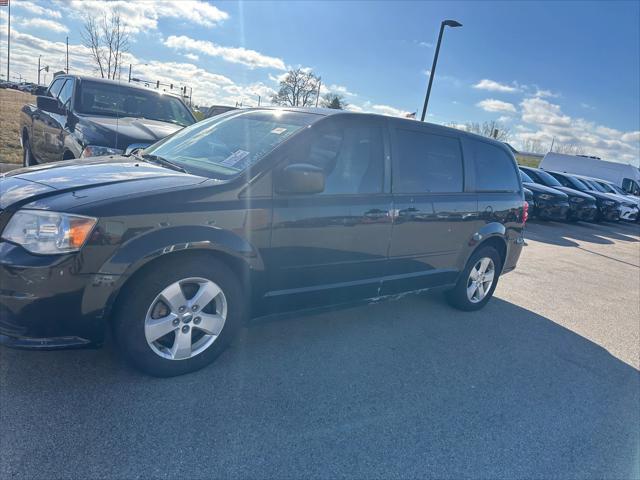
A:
x: 525, y: 212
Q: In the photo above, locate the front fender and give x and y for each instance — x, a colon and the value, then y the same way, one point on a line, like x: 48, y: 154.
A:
x: 133, y: 255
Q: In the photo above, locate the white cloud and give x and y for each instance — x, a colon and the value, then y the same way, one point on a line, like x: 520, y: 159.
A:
x: 36, y: 9
x: 144, y: 15
x: 493, y: 86
x: 493, y: 105
x: 587, y: 106
x: 545, y: 93
x: 192, y: 56
x: 505, y: 119
x: 250, y: 58
x: 425, y: 44
x: 547, y: 122
x: 44, y: 24
x: 390, y: 111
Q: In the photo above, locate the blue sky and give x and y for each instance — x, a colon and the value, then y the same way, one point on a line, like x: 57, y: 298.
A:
x: 563, y: 70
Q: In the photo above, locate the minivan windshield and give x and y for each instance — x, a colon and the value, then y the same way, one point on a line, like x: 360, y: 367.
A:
x: 225, y: 145
x: 114, y: 100
x: 526, y: 178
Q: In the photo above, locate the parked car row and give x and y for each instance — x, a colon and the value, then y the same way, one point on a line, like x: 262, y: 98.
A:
x: 566, y: 197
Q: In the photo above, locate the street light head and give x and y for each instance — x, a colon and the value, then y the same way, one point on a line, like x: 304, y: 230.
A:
x: 451, y: 23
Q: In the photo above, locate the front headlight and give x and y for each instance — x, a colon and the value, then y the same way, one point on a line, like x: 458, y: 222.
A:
x: 608, y: 203
x: 576, y: 199
x: 48, y: 233
x: 545, y: 196
x: 98, y: 151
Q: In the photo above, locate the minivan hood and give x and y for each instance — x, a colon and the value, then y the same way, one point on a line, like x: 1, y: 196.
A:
x: 81, y: 174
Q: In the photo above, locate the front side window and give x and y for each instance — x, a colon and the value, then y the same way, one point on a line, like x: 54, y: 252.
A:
x: 495, y: 170
x: 631, y: 186
x: 225, y: 145
x: 65, y: 93
x: 427, y: 163
x: 115, y: 100
x: 55, y: 87
x: 351, y: 156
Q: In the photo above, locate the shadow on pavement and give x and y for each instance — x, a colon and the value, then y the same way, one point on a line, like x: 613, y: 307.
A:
x: 404, y: 389
x: 569, y: 234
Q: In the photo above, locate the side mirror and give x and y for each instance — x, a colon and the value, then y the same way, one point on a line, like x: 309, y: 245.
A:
x: 51, y: 105
x: 300, y: 178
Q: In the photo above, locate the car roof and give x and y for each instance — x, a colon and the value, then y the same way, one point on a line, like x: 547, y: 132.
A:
x: 332, y: 112
x: 123, y: 83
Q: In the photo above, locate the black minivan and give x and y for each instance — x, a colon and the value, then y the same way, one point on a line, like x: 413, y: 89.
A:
x: 247, y: 213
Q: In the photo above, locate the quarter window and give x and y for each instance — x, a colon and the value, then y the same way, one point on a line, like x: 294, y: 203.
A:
x: 495, y: 170
x: 427, y: 163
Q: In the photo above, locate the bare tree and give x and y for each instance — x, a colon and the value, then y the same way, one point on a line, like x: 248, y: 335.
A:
x: 334, y: 100
x: 107, y: 38
x: 298, y: 89
x: 532, y: 146
x: 492, y: 129
x: 569, y: 148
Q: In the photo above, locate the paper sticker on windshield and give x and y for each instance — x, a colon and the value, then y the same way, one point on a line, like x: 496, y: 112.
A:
x: 235, y: 159
x: 278, y: 130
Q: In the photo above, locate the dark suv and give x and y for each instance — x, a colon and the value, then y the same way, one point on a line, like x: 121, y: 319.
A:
x: 250, y: 212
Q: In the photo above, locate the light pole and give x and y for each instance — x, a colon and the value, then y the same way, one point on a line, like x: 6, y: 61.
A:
x: 46, y: 69
x: 445, y: 23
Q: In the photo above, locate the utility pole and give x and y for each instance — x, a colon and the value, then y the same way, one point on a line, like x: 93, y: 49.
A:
x: 67, y: 55
x: 39, y: 56
x: 8, y: 37
x: 258, y: 100
x: 129, y: 73
x: 318, y: 96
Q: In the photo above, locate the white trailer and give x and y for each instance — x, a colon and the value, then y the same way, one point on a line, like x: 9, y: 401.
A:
x: 624, y: 175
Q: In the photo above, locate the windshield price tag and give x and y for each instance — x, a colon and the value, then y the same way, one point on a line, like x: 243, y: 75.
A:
x: 235, y: 158
x: 278, y: 130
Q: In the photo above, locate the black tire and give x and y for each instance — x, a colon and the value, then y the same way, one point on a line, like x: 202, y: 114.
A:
x: 131, y: 311
x: 458, y: 298
x: 27, y: 155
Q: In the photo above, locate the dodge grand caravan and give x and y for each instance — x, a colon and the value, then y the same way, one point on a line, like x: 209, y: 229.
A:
x: 247, y: 213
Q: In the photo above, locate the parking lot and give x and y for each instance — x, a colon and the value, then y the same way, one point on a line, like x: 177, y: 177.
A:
x: 544, y: 382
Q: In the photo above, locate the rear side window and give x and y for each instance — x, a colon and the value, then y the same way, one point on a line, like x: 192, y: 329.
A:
x: 427, y: 163
x: 494, y: 169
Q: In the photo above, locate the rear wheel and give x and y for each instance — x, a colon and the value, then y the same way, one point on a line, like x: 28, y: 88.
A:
x: 180, y: 315
x: 27, y: 155
x: 478, y: 280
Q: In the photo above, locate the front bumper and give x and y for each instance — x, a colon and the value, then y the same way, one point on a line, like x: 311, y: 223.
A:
x: 43, y: 301
x: 628, y: 214
x: 552, y: 210
x: 586, y: 212
x: 611, y: 214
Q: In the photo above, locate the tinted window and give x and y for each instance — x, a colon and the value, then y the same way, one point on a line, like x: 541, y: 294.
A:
x: 495, y: 171
x: 427, y: 163
x: 55, y: 87
x: 111, y: 99
x: 65, y: 93
x: 547, y: 179
x: 525, y: 177
x: 352, y: 158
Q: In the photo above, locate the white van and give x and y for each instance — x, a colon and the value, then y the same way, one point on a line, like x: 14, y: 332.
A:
x: 624, y: 175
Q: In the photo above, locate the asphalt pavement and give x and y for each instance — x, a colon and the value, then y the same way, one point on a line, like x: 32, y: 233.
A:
x: 542, y: 383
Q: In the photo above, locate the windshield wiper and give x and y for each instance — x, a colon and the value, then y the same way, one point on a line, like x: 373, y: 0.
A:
x: 160, y: 161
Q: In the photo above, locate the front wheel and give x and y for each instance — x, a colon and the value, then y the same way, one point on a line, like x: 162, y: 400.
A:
x: 477, y: 281
x: 180, y: 315
x: 27, y: 155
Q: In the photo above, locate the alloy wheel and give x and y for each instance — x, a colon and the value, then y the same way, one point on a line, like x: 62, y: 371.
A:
x: 185, y: 318
x: 480, y: 279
